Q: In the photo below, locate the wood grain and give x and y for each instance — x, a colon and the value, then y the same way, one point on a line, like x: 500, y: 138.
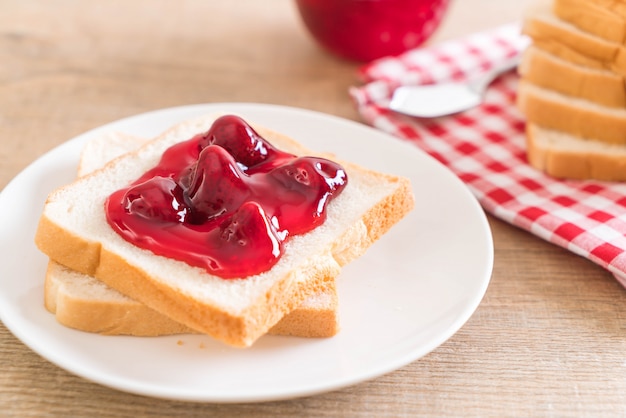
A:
x: 549, y: 338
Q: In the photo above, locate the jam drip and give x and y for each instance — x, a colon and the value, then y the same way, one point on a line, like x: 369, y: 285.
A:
x: 225, y: 200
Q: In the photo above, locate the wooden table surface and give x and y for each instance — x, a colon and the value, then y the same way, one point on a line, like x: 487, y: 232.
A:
x: 549, y: 338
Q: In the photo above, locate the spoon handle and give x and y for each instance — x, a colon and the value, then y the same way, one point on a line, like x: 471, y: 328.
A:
x: 480, y: 84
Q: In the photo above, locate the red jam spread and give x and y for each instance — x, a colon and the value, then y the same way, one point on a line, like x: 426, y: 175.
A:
x: 225, y: 200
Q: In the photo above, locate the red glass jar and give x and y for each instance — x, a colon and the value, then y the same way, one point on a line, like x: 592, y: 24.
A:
x: 364, y: 30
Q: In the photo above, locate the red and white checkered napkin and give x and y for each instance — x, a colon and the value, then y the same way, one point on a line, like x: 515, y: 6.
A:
x: 485, y: 148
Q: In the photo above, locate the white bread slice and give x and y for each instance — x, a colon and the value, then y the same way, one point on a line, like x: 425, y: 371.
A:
x: 82, y: 302
x: 572, y: 115
x: 104, y: 148
x: 563, y: 155
x: 603, y: 18
x: 73, y: 231
x: 570, y: 43
x: 551, y: 72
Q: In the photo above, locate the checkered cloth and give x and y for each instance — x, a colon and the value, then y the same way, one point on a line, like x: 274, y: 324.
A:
x: 485, y: 148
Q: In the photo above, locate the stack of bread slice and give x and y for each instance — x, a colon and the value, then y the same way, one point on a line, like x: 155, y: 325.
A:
x: 83, y: 302
x: 572, y: 90
x: 99, y: 282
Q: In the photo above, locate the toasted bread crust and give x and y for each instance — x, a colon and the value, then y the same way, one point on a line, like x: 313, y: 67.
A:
x: 573, y: 115
x: 565, y: 156
x: 299, y: 323
x: 548, y: 71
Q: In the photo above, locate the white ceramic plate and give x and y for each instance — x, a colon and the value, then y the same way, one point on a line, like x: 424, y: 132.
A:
x: 410, y: 292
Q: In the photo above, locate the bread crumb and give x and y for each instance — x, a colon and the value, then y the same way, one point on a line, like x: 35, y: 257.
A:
x: 180, y: 342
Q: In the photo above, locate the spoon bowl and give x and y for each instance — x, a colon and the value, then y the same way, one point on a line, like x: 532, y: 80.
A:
x: 435, y: 100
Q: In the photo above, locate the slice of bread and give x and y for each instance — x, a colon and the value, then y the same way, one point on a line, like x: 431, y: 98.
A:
x: 82, y: 302
x: 603, y: 18
x: 73, y: 231
x: 551, y: 72
x: 568, y: 156
x: 570, y: 43
x: 572, y: 115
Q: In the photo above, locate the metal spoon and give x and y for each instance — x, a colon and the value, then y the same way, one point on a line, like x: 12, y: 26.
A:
x: 434, y: 100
